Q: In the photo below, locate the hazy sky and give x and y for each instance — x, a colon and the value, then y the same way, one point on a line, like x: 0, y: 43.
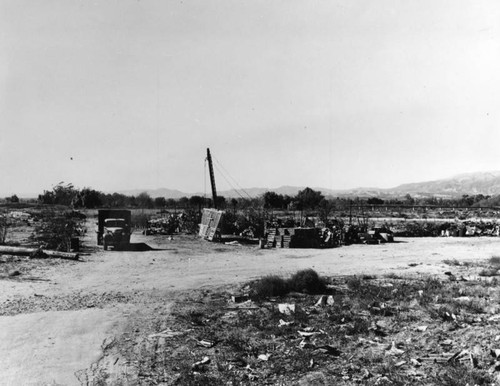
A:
x: 337, y: 94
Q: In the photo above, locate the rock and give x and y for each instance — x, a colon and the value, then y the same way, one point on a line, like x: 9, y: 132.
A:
x: 14, y: 273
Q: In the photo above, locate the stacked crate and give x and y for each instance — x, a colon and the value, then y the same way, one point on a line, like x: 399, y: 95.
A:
x: 271, y: 238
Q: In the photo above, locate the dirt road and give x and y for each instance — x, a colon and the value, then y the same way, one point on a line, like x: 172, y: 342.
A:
x: 56, y: 325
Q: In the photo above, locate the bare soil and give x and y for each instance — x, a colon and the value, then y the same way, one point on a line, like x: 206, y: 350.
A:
x: 59, y: 319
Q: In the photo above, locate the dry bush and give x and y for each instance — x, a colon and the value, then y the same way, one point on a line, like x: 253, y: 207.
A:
x: 269, y: 286
x: 304, y: 281
x: 56, y: 229
x: 307, y: 281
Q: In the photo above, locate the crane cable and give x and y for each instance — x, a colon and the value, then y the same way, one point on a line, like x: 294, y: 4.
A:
x: 234, y: 180
x: 223, y: 176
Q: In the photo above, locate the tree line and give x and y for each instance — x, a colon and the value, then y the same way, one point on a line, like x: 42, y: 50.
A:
x: 306, y: 199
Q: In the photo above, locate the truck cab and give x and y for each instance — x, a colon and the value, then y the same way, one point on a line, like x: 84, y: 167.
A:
x: 113, y: 228
x: 116, y: 233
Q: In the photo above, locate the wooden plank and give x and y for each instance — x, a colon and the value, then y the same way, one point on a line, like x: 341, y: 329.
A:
x: 22, y: 251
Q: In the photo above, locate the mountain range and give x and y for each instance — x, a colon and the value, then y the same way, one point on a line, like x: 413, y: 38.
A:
x: 486, y: 183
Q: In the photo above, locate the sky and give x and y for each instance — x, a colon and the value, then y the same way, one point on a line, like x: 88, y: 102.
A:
x: 129, y: 94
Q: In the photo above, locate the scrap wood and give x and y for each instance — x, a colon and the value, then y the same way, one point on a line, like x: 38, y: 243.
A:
x: 206, y: 343
x: 328, y: 349
x: 464, y: 356
x: 436, y: 358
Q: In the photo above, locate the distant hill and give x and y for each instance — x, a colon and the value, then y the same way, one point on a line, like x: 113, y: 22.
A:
x: 487, y: 183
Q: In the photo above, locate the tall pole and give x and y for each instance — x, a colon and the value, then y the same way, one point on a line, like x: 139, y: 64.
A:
x: 212, y: 178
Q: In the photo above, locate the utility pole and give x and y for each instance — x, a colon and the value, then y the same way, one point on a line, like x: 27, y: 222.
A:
x: 350, y: 212
x: 212, y: 178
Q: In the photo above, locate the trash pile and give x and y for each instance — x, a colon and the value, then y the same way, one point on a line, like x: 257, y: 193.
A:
x: 354, y: 234
x: 447, y: 229
x: 470, y: 228
x: 163, y: 226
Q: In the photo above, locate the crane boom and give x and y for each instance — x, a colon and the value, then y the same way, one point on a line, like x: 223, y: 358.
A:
x: 212, y: 178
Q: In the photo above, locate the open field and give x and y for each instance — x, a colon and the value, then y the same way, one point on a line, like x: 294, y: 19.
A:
x: 93, y: 321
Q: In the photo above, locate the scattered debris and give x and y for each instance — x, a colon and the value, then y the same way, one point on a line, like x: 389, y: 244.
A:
x: 200, y: 365
x: 168, y: 333
x: 263, y: 357
x: 325, y: 300
x: 394, y: 350
x: 282, y: 323
x: 239, y: 298
x: 286, y: 308
x: 206, y: 343
x: 329, y: 350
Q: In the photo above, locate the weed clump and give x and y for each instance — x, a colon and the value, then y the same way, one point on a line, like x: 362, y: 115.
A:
x: 307, y: 281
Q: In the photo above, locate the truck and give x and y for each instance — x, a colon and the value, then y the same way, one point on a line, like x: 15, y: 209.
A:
x: 113, y: 228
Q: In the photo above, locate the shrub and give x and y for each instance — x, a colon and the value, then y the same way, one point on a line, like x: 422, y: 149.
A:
x: 56, y: 229
x: 269, y: 286
x: 307, y: 281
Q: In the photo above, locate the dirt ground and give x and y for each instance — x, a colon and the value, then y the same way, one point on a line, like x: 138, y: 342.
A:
x: 57, y: 318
